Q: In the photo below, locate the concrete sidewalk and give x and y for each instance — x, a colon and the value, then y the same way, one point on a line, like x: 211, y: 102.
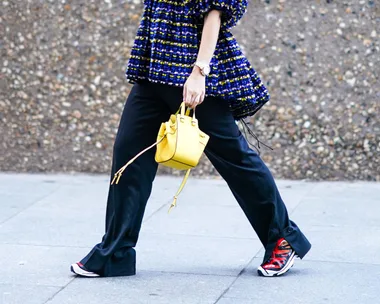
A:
x: 203, y: 252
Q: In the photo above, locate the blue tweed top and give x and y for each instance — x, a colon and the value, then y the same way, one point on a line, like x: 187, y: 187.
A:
x: 167, y: 43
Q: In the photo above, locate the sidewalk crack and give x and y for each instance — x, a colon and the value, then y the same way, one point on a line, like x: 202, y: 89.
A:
x: 233, y: 282
x: 61, y: 289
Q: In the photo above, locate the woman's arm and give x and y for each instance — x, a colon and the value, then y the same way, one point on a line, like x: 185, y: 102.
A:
x: 210, y: 35
x: 195, y: 86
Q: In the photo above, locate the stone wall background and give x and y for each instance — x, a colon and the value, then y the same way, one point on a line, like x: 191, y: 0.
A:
x: 62, y: 85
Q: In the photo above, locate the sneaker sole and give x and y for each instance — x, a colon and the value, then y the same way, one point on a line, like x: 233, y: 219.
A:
x: 270, y: 273
x: 83, y: 273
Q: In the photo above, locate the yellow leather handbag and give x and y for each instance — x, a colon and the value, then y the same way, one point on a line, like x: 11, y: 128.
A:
x: 180, y: 144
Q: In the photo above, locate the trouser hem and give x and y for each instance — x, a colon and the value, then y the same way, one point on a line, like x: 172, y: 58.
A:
x: 293, y: 235
x: 120, y: 263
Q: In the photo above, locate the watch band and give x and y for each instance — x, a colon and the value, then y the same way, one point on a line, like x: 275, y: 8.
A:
x: 204, y: 67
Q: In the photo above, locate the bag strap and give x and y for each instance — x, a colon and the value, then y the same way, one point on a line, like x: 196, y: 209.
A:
x: 121, y: 170
x: 174, y: 203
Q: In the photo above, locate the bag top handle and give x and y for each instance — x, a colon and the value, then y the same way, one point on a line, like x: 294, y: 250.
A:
x: 182, y: 110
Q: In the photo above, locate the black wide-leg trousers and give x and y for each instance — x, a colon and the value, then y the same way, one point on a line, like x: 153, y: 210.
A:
x: 148, y: 105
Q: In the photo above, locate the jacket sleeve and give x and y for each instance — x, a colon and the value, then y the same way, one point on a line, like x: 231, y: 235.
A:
x: 232, y: 10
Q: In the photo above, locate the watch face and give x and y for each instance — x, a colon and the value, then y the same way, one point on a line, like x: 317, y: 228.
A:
x: 206, y: 70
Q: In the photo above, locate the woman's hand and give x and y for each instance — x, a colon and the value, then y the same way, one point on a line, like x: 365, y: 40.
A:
x: 194, y: 88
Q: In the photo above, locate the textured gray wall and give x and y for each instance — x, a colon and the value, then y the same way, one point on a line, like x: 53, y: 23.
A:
x: 63, y: 88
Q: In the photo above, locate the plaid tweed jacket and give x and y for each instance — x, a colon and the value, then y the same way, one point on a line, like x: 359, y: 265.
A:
x: 167, y: 43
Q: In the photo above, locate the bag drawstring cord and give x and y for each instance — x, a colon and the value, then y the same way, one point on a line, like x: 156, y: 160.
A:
x: 250, y: 132
x: 174, y: 203
x: 118, y: 174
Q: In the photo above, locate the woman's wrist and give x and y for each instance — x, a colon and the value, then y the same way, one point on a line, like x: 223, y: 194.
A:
x: 197, y: 71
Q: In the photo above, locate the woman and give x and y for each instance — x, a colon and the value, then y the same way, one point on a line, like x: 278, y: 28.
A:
x: 184, y: 51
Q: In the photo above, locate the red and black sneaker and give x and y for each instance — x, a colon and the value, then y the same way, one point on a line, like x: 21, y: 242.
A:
x: 280, y: 262
x: 80, y: 270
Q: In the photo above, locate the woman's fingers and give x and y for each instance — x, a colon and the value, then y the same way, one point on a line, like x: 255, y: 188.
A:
x: 202, y: 97
x: 192, y: 98
x: 197, y: 100
x: 187, y: 96
x: 184, y: 92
